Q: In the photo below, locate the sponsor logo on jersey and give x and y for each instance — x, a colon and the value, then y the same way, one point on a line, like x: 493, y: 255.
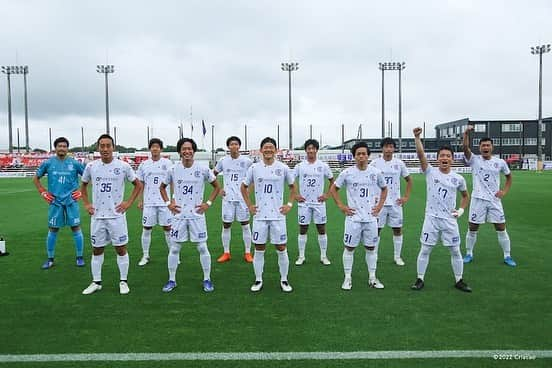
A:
x: 260, y: 180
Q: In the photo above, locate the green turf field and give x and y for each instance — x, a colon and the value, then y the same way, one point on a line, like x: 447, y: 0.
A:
x: 43, y: 312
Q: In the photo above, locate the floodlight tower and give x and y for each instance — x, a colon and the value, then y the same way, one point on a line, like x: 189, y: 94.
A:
x: 539, y: 50
x: 400, y: 66
x: 105, y: 70
x: 290, y: 67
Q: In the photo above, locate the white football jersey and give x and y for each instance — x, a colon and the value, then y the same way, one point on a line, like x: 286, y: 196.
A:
x: 486, y: 176
x: 269, y: 183
x: 233, y: 171
x: 441, y: 192
x: 108, y: 185
x: 392, y: 171
x: 311, y: 180
x: 363, y: 188
x: 188, y: 185
x: 152, y: 174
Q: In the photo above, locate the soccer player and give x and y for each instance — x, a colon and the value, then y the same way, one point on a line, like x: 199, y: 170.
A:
x: 392, y: 212
x: 107, y: 210
x: 151, y: 173
x: 361, y: 181
x: 441, y: 215
x: 233, y: 168
x: 62, y: 196
x: 486, y: 201
x: 269, y: 177
x: 188, y: 179
x: 312, y: 207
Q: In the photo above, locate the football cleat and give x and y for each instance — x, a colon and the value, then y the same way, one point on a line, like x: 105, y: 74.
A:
x: 461, y: 285
x: 248, y: 257
x: 80, y: 262
x: 123, y: 288
x: 510, y: 262
x: 286, y: 287
x: 418, y: 284
x: 300, y: 261
x: 257, y: 286
x: 468, y: 258
x: 48, y: 264
x: 169, y: 286
x: 208, y: 286
x: 92, y: 288
x: 144, y: 261
x: 224, y: 258
x: 376, y: 284
x: 347, y: 284
x: 399, y: 261
x: 325, y: 261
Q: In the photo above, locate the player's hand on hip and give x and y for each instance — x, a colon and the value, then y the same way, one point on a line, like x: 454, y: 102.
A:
x: 253, y: 209
x: 300, y: 198
x: 322, y: 198
x: 457, y: 213
x: 140, y: 205
x: 401, y: 201
x: 223, y: 193
x: 174, y: 208
x: 348, y: 211
x: 202, y: 208
x: 285, y: 209
x: 122, y: 207
x: 500, y: 194
x: 48, y: 197
x: 89, y: 208
x: 376, y: 210
x: 76, y: 195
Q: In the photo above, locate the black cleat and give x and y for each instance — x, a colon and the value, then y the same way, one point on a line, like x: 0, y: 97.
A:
x: 461, y: 285
x: 2, y: 254
x: 418, y: 285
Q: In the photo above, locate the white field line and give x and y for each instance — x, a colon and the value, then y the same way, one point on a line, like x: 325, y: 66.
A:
x: 355, y: 355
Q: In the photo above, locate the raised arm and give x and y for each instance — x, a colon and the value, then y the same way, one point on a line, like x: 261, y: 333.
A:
x: 466, y: 142
x: 420, y: 149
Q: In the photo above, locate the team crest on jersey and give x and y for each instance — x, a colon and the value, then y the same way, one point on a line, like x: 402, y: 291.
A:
x: 278, y: 172
x: 164, y: 167
x: 116, y: 171
x: 260, y: 180
x: 373, y: 177
x: 436, y: 181
x: 197, y: 174
x: 454, y: 181
x: 495, y: 165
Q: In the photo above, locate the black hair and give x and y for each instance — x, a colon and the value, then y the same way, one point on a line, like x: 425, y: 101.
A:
x: 445, y: 148
x: 268, y: 140
x: 485, y: 139
x: 233, y: 138
x: 106, y: 136
x: 360, y: 145
x: 312, y: 142
x: 181, y: 141
x: 386, y: 141
x: 155, y: 141
x: 60, y: 140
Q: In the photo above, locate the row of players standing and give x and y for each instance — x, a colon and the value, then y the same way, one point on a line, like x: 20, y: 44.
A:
x: 373, y: 200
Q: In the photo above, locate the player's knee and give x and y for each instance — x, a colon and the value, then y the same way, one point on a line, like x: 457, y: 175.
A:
x: 167, y: 228
x: 455, y: 252
x: 121, y: 250
x: 175, y: 249
x: 371, y: 248
x: 397, y: 231
x: 75, y: 228
x: 281, y: 247
x: 226, y: 225
x: 97, y: 251
x: 321, y: 229
x: 202, y: 248
x: 148, y: 228
x: 53, y: 229
x: 243, y: 223
x: 349, y: 249
x: 260, y: 247
x: 303, y: 229
x: 473, y: 227
x: 500, y: 227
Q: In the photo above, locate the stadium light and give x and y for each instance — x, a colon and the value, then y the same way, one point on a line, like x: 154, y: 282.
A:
x: 105, y: 70
x: 399, y: 66
x: 539, y: 50
x: 8, y: 71
x: 290, y: 67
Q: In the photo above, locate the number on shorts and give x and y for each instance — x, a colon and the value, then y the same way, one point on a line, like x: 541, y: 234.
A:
x: 93, y: 239
x: 255, y: 235
x: 174, y: 233
x: 144, y: 220
x: 348, y: 238
x: 302, y: 218
x: 426, y: 236
x: 473, y: 216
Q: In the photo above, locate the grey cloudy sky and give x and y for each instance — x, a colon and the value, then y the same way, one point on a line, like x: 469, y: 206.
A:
x: 463, y: 59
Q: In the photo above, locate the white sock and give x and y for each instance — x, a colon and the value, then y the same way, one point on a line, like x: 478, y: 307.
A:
x: 205, y: 260
x: 172, y: 260
x: 372, y: 261
x: 258, y: 264
x: 122, y: 262
x: 504, y: 241
x: 456, y: 262
x: 348, y: 262
x: 168, y: 238
x: 397, y: 245
x: 302, y: 243
x: 246, y: 233
x: 323, y: 243
x: 96, y: 266
x: 283, y: 264
x: 423, y: 260
x: 146, y: 241
x: 225, y: 236
x: 471, y: 238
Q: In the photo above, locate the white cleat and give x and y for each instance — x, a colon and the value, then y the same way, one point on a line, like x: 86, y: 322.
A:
x: 347, y: 284
x: 399, y: 261
x: 300, y: 261
x: 286, y: 287
x: 376, y: 284
x: 325, y: 261
x: 92, y: 288
x: 257, y: 286
x: 144, y: 261
x: 123, y: 288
